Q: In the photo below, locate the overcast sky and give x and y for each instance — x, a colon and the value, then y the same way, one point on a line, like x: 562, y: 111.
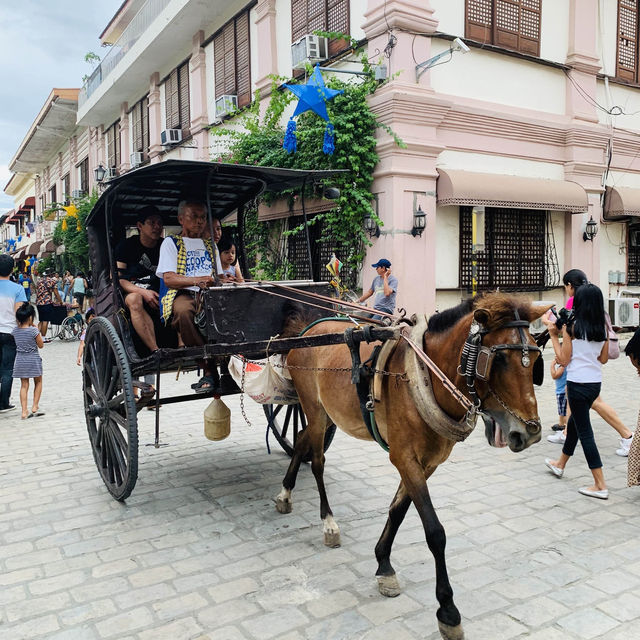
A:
x: 42, y: 46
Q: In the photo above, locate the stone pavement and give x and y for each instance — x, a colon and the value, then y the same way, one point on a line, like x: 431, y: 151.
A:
x: 199, y: 551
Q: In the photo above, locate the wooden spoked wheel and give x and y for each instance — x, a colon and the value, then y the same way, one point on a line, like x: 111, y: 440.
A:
x: 287, y: 421
x: 110, y: 408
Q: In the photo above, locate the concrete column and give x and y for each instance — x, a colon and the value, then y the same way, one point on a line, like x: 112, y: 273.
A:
x: 267, y: 45
x: 155, y: 117
x: 406, y: 178
x: 73, y: 161
x: 125, y: 146
x: 198, y: 97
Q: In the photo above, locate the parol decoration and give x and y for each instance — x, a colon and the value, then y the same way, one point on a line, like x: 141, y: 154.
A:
x: 312, y: 96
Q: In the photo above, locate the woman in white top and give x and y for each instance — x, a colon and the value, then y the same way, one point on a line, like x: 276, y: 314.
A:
x: 583, y: 351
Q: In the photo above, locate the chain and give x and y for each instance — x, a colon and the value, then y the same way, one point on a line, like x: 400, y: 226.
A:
x: 402, y: 376
x: 512, y: 412
x: 244, y: 414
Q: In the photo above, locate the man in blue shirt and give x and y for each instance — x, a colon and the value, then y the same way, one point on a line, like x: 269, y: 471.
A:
x: 12, y: 295
x: 385, y: 287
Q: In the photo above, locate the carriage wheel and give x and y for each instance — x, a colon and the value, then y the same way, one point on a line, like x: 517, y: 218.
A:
x: 110, y: 408
x: 287, y: 421
x: 70, y: 329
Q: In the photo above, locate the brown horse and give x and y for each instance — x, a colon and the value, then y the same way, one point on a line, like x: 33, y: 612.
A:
x: 508, y: 407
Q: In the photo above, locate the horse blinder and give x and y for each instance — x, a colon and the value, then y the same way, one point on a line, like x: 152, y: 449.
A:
x: 538, y: 371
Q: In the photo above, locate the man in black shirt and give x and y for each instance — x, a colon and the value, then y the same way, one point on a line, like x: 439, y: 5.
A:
x: 137, y: 261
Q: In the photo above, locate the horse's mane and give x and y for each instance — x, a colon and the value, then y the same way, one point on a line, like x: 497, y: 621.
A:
x: 500, y: 306
x: 297, y: 317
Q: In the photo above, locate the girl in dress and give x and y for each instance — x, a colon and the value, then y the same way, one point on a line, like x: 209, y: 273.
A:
x: 228, y: 259
x: 28, y: 363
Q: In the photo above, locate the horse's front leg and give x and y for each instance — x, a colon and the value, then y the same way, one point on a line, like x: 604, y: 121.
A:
x: 284, y: 503
x: 388, y: 584
x: 413, y: 477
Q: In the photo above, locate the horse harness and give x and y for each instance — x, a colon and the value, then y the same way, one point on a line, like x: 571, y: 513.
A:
x: 476, y: 362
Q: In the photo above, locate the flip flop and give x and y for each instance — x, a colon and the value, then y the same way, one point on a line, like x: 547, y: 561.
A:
x: 205, y: 380
x: 30, y: 415
x: 37, y: 413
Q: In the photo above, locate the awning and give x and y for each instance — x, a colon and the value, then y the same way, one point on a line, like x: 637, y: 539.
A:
x: 20, y: 253
x: 29, y: 203
x: 34, y: 247
x: 46, y: 248
x: 455, y: 187
x: 621, y: 203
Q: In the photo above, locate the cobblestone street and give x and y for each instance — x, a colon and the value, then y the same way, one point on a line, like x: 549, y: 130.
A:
x: 199, y: 551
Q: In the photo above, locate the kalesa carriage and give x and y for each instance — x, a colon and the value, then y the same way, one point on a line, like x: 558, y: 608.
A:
x: 416, y: 386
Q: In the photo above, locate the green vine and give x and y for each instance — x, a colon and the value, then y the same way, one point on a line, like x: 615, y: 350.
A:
x: 259, y: 142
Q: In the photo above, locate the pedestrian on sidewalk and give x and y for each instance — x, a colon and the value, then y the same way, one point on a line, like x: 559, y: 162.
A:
x: 583, y: 351
x: 12, y: 295
x: 559, y: 375
x: 633, y: 465
x: 28, y: 363
x: 385, y: 288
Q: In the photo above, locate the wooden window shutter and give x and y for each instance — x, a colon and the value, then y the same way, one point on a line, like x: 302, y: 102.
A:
x: 172, y: 102
x: 627, y: 50
x: 137, y: 128
x: 479, y: 20
x: 229, y: 59
x: 218, y: 63
x: 338, y: 20
x: 530, y: 19
x: 113, y: 145
x: 144, y: 109
x: 298, y: 19
x: 516, y: 25
x: 243, y: 60
x: 183, y: 96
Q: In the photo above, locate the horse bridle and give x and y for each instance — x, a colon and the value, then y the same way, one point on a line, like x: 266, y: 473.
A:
x: 476, y: 360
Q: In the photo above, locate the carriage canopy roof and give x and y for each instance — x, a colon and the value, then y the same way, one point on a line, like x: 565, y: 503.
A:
x: 166, y: 183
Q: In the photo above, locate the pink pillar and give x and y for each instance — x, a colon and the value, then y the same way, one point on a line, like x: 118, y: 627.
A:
x: 155, y: 118
x: 198, y: 97
x: 73, y: 161
x: 266, y: 38
x: 406, y: 178
x: 125, y: 147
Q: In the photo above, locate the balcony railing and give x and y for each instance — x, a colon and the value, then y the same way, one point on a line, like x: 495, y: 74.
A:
x: 149, y: 11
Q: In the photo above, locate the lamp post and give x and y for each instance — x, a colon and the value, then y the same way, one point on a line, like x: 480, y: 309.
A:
x: 371, y: 227
x: 99, y: 172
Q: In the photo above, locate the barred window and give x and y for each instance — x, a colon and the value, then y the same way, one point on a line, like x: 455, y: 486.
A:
x: 512, y: 24
x: 140, y: 124
x: 176, y: 92
x: 83, y: 174
x: 308, y: 16
x: 113, y: 146
x: 66, y: 189
x: 633, y: 255
x: 232, y: 59
x: 53, y: 194
x: 519, y: 251
x: 627, y: 45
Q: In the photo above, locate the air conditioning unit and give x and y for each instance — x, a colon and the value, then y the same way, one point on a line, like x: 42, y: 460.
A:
x: 170, y: 136
x: 226, y: 105
x: 624, y: 312
x: 111, y: 173
x: 77, y: 193
x: 136, y: 159
x: 309, y: 49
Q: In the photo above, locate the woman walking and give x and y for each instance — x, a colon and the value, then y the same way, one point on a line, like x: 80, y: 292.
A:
x: 28, y: 363
x: 583, y: 351
x: 80, y: 289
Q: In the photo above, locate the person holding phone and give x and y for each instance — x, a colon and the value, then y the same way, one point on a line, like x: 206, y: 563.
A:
x: 385, y: 287
x: 583, y: 351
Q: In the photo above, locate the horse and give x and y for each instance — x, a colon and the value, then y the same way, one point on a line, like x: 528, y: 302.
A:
x: 502, y: 394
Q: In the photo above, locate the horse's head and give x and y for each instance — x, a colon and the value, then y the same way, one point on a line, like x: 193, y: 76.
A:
x: 500, y: 363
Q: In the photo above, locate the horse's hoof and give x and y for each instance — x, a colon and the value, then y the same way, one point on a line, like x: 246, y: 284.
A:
x: 283, y: 506
x: 389, y: 586
x: 451, y: 633
x: 332, y: 539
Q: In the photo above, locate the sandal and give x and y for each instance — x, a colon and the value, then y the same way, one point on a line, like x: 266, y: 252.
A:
x: 204, y: 385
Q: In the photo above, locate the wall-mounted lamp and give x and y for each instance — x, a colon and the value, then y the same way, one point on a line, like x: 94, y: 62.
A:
x: 590, y: 230
x: 419, y: 222
x: 371, y: 227
x: 99, y: 172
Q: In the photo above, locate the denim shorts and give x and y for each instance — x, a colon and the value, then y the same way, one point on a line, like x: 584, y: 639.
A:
x: 561, y: 399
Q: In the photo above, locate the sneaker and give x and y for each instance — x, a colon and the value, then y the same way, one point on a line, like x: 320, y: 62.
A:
x: 625, y: 445
x: 11, y: 407
x: 557, y: 438
x: 557, y: 427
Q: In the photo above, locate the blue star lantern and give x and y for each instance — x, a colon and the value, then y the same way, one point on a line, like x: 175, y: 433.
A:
x: 312, y: 96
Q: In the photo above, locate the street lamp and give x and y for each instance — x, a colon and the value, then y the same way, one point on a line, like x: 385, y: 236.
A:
x: 99, y: 172
x: 590, y: 230
x: 419, y: 222
x: 371, y: 226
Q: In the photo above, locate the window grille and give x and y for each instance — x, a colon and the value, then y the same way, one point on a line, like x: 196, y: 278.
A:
x: 308, y: 16
x: 113, y: 146
x: 519, y: 251
x: 66, y: 189
x: 232, y: 59
x: 176, y: 92
x: 633, y: 255
x: 627, y: 49
x: 53, y: 194
x: 140, y: 121
x: 83, y: 169
x: 511, y: 24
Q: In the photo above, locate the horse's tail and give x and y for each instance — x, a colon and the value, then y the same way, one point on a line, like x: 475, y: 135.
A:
x: 297, y: 317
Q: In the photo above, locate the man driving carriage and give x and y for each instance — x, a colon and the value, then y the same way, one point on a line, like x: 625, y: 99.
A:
x: 137, y: 260
x: 186, y: 267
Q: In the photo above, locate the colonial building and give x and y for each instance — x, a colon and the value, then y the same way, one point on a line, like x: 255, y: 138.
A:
x: 520, y: 119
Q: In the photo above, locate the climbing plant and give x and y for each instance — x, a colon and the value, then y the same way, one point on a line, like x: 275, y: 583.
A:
x: 259, y: 142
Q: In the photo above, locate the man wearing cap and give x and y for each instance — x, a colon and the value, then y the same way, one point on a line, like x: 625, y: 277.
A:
x: 137, y: 260
x: 385, y: 286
